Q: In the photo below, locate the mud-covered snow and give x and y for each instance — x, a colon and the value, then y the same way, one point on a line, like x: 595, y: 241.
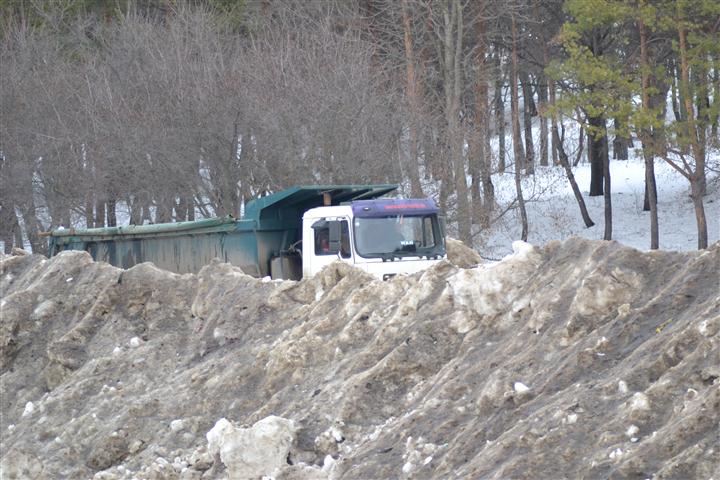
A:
x: 581, y: 359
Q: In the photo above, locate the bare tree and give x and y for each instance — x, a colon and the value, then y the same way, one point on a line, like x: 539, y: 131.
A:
x: 480, y: 161
x: 516, y: 132
x: 412, y: 90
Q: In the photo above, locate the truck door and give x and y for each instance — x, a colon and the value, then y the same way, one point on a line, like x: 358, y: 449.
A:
x: 331, y: 241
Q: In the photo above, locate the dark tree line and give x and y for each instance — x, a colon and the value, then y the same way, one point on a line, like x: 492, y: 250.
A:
x: 163, y: 110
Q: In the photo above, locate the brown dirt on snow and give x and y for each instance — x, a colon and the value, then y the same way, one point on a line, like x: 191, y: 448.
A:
x: 581, y: 359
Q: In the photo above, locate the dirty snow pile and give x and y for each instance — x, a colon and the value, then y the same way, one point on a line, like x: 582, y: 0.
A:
x: 581, y: 359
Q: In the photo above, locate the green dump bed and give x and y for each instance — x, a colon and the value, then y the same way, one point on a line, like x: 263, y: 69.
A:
x: 271, y: 225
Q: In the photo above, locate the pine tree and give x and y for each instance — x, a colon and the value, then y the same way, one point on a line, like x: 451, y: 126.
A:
x: 597, y: 83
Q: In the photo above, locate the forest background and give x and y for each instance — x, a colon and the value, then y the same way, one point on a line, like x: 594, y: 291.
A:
x: 165, y: 110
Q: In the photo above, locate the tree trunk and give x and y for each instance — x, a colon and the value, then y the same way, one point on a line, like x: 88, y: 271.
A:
x: 703, y: 117
x: 28, y: 212
x: 99, y: 213
x: 521, y: 205
x: 674, y: 95
x: 581, y: 146
x: 163, y: 210
x: 8, y: 219
x: 18, y: 235
x: 650, y: 183
x: 480, y: 165
x: 231, y: 191
x: 697, y: 198
x: 683, y: 147
x: 190, y: 202
x: 620, y: 142
x: 716, y: 100
x: 453, y: 90
x: 435, y: 161
x: 445, y: 177
x: 135, y: 207
x: 597, y: 149
x: 697, y: 178
x: 89, y: 211
x: 607, y: 190
x: 542, y: 90
x: 32, y: 228
x: 474, y: 155
x: 528, y: 108
x: 658, y: 102
x: 650, y: 197
x: 499, y: 112
x: 650, y: 186
x: 180, y: 209
x: 554, y: 136
x: 7, y: 239
x: 543, y: 108
x: 91, y: 188
x: 411, y: 90
x: 565, y: 162
x: 111, y: 217
x: 487, y: 186
x: 518, y: 152
x: 517, y: 146
x: 476, y: 145
x: 146, y: 215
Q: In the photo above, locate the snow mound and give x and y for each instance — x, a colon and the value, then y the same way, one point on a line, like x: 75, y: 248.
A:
x: 580, y: 359
x: 461, y: 255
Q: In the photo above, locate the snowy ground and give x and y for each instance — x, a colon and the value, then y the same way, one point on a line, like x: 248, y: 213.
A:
x: 554, y: 214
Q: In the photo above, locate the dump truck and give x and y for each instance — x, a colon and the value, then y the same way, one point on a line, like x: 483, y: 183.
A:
x: 290, y: 234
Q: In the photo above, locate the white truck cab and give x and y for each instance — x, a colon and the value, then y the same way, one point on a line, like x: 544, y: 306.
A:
x: 384, y: 237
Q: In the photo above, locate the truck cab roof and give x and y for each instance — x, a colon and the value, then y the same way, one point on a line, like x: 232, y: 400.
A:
x: 336, y: 211
x: 293, y: 201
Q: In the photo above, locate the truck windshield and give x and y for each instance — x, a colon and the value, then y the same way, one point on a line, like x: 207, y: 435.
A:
x: 398, y: 236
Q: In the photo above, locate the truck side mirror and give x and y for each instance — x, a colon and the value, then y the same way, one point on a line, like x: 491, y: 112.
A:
x: 334, y: 236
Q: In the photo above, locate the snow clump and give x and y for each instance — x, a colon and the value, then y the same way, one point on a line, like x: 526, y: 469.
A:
x: 29, y: 409
x: 520, y: 387
x: 260, y: 450
x: 639, y: 402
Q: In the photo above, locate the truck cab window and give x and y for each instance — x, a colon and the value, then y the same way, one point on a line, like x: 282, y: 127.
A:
x: 396, y: 236
x: 323, y: 241
x: 428, y: 239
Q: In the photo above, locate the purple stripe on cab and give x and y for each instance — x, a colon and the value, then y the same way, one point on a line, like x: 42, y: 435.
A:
x: 390, y: 207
